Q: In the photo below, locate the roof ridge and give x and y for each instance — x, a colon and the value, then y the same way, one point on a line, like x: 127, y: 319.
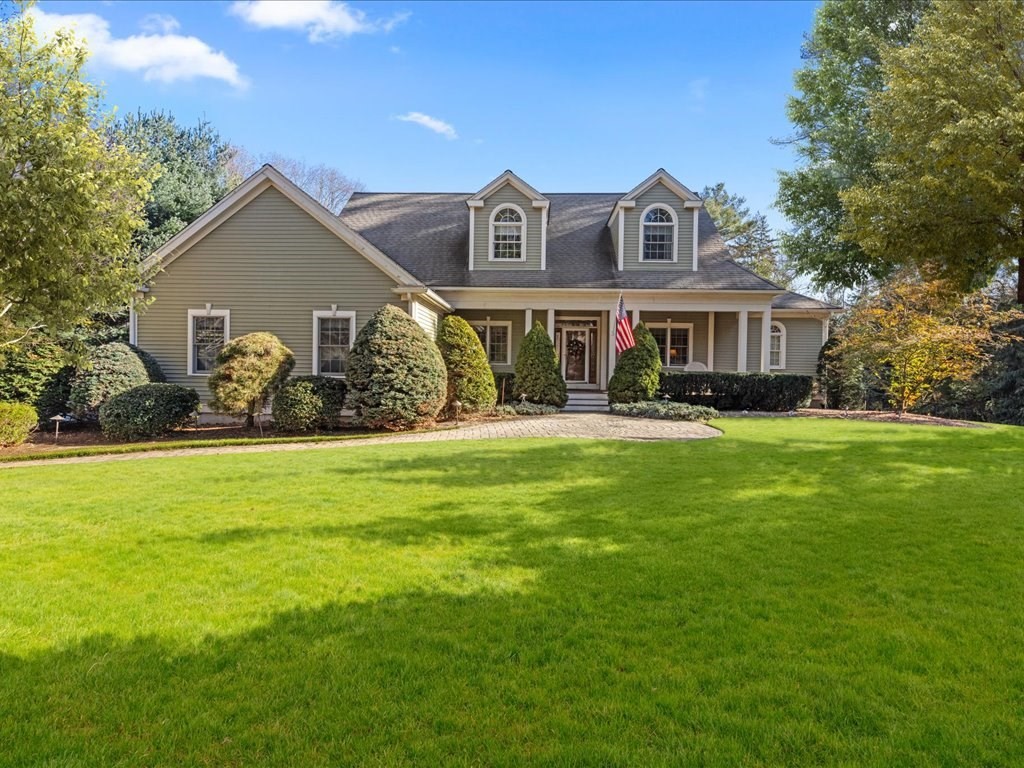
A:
x: 470, y: 194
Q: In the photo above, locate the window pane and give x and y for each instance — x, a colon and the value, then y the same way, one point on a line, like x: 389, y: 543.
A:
x: 497, y: 349
x: 658, y: 242
x: 481, y: 333
x: 334, y: 334
x: 679, y: 350
x: 661, y: 337
x: 508, y: 241
x: 207, y: 340
x: 775, y: 348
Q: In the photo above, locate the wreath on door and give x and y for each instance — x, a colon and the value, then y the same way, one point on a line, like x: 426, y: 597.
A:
x: 575, y: 347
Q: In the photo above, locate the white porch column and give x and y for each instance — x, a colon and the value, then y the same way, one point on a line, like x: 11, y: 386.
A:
x: 529, y: 321
x: 766, y: 337
x: 711, y: 341
x: 741, y: 341
x: 611, y: 344
x: 551, y: 324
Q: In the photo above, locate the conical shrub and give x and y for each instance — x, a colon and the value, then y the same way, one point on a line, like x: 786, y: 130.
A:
x: 470, y: 380
x: 638, y: 370
x: 537, y: 373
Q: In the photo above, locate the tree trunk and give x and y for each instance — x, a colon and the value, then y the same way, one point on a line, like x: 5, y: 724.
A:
x: 1020, y: 280
x: 250, y: 420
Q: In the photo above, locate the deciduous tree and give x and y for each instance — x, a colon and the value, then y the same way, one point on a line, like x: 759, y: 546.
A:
x: 832, y: 138
x: 948, y: 190
x: 70, y: 199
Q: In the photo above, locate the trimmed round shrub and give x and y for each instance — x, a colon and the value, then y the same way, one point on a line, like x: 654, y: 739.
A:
x: 638, y: 371
x: 653, y: 409
x: 248, y: 371
x: 537, y: 373
x: 109, y: 370
x: 17, y: 420
x: 470, y: 380
x: 307, y: 403
x: 396, y: 376
x: 153, y: 369
x: 148, y: 411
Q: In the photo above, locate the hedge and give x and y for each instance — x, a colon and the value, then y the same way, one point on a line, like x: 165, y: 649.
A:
x: 148, y: 411
x: 738, y: 391
x: 307, y: 403
x: 17, y: 420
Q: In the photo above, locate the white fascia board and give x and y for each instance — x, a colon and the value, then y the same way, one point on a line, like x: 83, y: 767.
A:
x: 666, y: 178
x: 507, y: 178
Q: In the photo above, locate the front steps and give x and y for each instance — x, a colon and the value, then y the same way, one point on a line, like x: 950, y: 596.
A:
x: 586, y: 400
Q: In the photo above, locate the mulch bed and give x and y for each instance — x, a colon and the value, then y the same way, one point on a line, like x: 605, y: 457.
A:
x: 883, y: 416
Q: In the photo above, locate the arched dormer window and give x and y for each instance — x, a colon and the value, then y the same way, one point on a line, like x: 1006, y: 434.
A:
x: 658, y: 234
x: 508, y: 234
x: 777, y: 346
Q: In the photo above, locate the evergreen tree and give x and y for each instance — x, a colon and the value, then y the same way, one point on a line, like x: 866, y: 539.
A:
x: 470, y: 379
x: 638, y: 370
x: 537, y: 373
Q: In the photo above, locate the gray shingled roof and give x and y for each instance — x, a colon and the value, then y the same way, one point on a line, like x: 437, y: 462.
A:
x: 428, y: 235
x: 791, y: 300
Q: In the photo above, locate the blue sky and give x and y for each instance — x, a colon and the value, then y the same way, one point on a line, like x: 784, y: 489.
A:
x: 571, y: 96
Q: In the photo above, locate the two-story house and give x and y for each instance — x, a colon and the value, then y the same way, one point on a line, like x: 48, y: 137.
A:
x: 269, y: 258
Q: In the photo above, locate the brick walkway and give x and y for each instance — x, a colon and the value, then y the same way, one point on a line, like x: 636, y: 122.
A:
x: 599, y: 426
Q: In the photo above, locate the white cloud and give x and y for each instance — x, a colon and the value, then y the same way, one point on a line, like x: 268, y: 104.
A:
x: 160, y: 23
x: 430, y: 123
x: 163, y: 57
x: 395, y: 49
x: 321, y: 20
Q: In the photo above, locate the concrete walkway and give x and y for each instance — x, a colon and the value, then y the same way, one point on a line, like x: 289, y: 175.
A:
x: 594, y: 426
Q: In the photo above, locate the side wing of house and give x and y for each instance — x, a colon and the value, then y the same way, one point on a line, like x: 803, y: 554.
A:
x: 270, y: 266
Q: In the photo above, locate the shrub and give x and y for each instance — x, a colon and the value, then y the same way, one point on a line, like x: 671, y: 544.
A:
x: 470, y: 380
x: 247, y: 372
x: 504, y: 410
x: 841, y: 380
x: 308, y: 403
x: 109, y: 370
x: 537, y: 374
x: 148, y: 411
x: 17, y: 420
x: 636, y: 375
x: 53, y: 399
x: 655, y: 409
x: 396, y: 376
x: 738, y: 391
x: 533, y: 409
x: 153, y: 369
x: 505, y: 386
x: 26, y: 370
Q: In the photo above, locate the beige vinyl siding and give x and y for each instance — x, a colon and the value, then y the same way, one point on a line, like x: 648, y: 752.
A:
x: 518, y: 319
x: 659, y: 193
x: 753, y: 344
x: 272, y: 265
x: 726, y: 340
x: 482, y: 230
x: 426, y: 317
x: 699, y: 336
x: 803, y: 343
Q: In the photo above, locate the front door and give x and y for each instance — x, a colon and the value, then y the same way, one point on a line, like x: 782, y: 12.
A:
x: 576, y: 354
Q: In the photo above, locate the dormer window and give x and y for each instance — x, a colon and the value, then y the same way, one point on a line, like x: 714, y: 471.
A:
x: 658, y: 234
x: 508, y: 234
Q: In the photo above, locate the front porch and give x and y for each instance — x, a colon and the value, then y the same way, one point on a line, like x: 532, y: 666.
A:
x: 584, y: 339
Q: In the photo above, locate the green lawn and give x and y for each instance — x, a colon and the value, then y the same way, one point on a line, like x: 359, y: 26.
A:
x: 797, y: 592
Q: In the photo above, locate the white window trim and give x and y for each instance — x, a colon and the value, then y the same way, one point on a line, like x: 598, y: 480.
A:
x: 208, y: 312
x: 317, y: 316
x: 675, y: 234
x: 490, y: 240
x: 488, y: 324
x: 671, y: 326
x: 782, y: 345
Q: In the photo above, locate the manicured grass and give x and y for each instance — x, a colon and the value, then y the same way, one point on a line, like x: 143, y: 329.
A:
x: 797, y: 592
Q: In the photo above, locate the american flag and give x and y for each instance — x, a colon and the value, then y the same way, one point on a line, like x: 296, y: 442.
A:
x: 623, y: 330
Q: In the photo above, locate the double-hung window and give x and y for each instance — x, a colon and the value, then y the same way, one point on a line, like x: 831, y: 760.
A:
x: 208, y: 331
x: 496, y: 337
x: 658, y: 234
x: 333, y: 334
x: 508, y: 234
x: 674, y: 342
